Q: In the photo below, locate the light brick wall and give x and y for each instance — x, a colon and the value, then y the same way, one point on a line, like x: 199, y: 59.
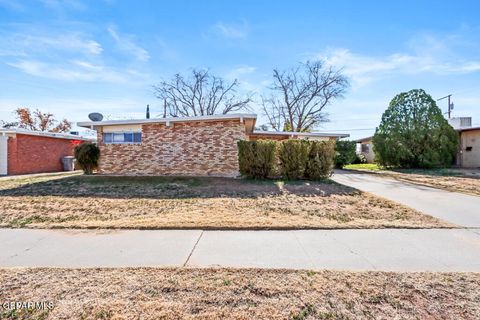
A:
x: 188, y: 148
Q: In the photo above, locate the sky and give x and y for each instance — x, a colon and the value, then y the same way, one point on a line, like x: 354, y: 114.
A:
x: 74, y: 57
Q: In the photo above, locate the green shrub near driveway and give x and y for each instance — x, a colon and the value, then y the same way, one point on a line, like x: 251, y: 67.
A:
x: 87, y: 155
x: 414, y: 133
x: 345, y: 153
x: 289, y: 159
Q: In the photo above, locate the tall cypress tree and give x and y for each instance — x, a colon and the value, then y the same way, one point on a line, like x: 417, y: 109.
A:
x: 413, y: 133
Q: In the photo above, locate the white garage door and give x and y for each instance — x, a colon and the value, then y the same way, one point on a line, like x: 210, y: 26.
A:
x: 3, y: 155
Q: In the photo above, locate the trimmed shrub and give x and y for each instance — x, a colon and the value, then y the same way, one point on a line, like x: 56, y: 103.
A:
x: 256, y: 158
x: 87, y: 155
x: 320, y: 160
x: 290, y: 159
x: 293, y: 157
x: 345, y: 153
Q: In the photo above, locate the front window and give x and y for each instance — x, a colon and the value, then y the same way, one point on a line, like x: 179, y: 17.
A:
x: 122, y: 137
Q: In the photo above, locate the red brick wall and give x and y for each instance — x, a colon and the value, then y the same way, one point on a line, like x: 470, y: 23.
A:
x: 35, y: 154
x: 188, y: 148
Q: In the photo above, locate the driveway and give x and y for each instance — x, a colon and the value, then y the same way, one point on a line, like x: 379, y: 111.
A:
x: 458, y: 208
x: 376, y: 249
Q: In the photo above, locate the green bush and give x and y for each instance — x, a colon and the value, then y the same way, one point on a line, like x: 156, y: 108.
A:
x: 293, y: 158
x: 256, y: 158
x: 413, y: 133
x: 290, y: 159
x: 87, y: 155
x: 345, y: 153
x: 320, y: 160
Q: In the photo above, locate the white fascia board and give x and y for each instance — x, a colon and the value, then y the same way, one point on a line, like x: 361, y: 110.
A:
x: 44, y: 134
x: 301, y: 134
x: 90, y: 124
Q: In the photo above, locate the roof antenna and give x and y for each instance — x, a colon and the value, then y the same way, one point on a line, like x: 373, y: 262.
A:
x: 148, y: 111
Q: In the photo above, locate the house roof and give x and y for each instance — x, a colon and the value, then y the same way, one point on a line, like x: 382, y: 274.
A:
x: 467, y: 129
x: 240, y: 116
x: 364, y: 139
x: 300, y: 134
x: 43, y: 134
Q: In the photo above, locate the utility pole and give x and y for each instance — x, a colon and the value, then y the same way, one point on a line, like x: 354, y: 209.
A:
x: 450, y: 105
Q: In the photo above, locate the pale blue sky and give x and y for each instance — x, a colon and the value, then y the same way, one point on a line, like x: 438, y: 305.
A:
x: 75, y: 57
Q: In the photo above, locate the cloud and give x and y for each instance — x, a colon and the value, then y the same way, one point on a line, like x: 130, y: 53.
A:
x: 424, y: 54
x: 231, y: 31
x: 240, y: 71
x: 21, y: 44
x: 62, y: 5
x: 126, y: 44
x: 74, y: 70
x: 363, y: 69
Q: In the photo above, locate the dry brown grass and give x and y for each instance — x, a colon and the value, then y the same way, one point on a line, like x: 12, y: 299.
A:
x: 207, y: 203
x: 450, y: 183
x: 447, y: 179
x: 154, y: 293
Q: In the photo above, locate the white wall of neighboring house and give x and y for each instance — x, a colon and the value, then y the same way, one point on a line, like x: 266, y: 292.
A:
x: 3, y: 154
x: 365, y: 147
x: 470, y: 149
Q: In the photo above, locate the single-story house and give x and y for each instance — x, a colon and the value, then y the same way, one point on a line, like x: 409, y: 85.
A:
x: 23, y: 151
x: 468, y: 155
x: 365, y: 147
x: 469, y: 147
x: 204, y: 145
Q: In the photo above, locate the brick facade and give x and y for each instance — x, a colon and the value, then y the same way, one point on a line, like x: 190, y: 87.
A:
x: 200, y: 148
x: 36, y: 154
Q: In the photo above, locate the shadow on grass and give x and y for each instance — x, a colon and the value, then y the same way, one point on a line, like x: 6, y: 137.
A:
x: 123, y: 187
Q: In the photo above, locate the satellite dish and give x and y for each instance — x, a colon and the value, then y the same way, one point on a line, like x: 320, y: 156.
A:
x: 95, y: 116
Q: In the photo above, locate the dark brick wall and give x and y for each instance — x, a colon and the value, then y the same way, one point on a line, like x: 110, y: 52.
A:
x: 36, y: 154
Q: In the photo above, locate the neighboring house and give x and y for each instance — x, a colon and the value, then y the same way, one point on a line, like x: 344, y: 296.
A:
x: 469, y: 147
x: 23, y: 151
x: 205, y: 145
x: 469, y: 144
x: 365, y: 147
x: 468, y: 155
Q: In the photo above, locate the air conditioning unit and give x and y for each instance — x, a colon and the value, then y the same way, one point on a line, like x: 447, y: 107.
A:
x: 460, y: 122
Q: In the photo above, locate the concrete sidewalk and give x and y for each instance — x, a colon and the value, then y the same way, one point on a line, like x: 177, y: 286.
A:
x: 378, y: 249
x: 458, y: 208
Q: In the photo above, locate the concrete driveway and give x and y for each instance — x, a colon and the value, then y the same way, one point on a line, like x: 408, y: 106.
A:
x: 458, y: 208
x: 378, y: 249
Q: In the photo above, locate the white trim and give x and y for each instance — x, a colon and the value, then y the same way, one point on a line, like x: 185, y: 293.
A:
x: 44, y: 134
x: 300, y: 134
x: 3, y: 155
x: 89, y: 124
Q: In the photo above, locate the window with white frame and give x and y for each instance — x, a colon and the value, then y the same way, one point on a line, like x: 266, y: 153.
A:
x: 122, y: 137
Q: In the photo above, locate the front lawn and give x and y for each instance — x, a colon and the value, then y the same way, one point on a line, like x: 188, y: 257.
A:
x: 79, y: 201
x: 451, y: 179
x: 185, y: 293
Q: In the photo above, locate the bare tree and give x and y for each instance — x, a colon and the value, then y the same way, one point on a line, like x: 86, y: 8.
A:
x: 39, y: 121
x: 301, y: 94
x: 200, y: 95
